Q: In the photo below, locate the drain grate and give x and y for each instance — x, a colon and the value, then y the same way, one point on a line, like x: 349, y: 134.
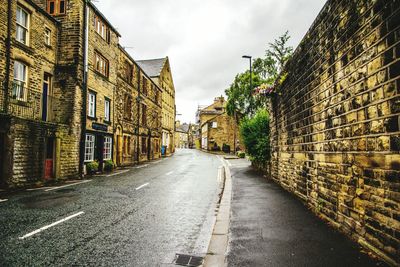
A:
x: 188, y: 260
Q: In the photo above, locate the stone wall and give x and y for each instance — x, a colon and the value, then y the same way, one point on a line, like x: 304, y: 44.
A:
x: 335, y: 126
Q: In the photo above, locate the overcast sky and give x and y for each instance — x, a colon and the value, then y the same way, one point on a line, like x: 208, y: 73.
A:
x: 205, y: 39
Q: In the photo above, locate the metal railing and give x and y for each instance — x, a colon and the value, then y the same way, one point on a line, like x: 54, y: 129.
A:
x: 23, y: 102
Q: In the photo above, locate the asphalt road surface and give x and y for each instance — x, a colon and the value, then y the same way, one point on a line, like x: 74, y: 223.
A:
x: 141, y: 216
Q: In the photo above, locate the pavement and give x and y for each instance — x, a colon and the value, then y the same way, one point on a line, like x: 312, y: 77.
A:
x: 271, y: 227
x: 142, y: 216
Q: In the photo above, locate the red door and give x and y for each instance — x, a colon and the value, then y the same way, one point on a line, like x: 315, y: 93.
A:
x: 49, y: 161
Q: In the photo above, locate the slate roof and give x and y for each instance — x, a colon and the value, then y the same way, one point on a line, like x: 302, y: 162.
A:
x: 152, y: 67
x: 183, y: 128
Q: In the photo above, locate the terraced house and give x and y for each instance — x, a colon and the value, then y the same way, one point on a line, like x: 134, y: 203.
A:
x: 160, y: 71
x: 61, y: 67
x: 138, y: 114
x: 37, y: 129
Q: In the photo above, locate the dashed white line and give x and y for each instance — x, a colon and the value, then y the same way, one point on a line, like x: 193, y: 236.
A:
x: 36, y: 189
x: 3, y: 200
x: 169, y: 173
x: 51, y: 225
x: 58, y: 187
x: 121, y: 172
x: 142, y: 166
x: 143, y: 185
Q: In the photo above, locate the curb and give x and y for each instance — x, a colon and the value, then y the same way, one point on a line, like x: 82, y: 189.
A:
x: 219, y: 240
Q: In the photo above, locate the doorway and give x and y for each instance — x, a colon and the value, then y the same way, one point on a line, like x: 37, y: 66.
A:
x: 49, y: 161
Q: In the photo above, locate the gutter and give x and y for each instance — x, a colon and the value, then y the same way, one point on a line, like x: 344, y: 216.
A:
x: 84, y: 86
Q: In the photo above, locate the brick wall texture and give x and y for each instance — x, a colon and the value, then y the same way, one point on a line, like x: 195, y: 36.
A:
x: 335, y: 126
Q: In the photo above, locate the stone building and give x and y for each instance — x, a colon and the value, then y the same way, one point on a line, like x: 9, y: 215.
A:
x: 39, y: 139
x: 160, y: 71
x: 59, y: 73
x: 181, y: 135
x: 335, y: 130
x: 218, y: 131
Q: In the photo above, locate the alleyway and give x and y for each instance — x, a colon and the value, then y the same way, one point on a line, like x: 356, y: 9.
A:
x: 270, y: 227
x: 140, y: 217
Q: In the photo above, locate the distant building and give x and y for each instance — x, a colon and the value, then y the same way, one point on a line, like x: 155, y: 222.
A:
x: 181, y: 135
x: 218, y: 130
x: 160, y: 71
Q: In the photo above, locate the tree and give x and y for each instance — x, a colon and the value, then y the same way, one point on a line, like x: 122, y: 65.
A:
x: 241, y: 100
x: 255, y: 136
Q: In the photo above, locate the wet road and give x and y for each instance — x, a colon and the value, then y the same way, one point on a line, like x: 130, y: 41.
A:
x: 140, y: 217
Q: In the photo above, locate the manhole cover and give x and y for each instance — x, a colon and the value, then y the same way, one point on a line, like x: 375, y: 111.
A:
x: 188, y: 260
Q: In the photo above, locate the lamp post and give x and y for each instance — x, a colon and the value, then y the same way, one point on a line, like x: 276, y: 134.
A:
x: 251, y: 71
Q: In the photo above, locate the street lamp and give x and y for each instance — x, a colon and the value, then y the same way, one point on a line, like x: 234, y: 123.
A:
x: 251, y: 71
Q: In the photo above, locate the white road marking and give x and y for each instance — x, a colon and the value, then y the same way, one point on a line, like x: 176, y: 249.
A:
x: 169, y: 173
x: 121, y: 172
x: 3, y: 200
x: 51, y: 225
x: 143, y: 185
x: 142, y: 166
x: 36, y: 189
x: 158, y: 161
x: 58, y: 187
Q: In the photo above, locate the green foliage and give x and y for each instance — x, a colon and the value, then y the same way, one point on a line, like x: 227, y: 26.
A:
x: 240, y: 99
x: 241, y: 154
x: 268, y: 70
x: 108, y: 165
x: 92, y: 167
x: 255, y: 136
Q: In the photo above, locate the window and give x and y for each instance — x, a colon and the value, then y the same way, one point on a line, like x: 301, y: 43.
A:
x: 92, y: 104
x: 89, y: 147
x: 144, y: 86
x: 157, y: 97
x: 144, y: 115
x: 214, y: 124
x: 101, y: 28
x: 20, y: 77
x: 47, y: 36
x: 107, y: 148
x: 107, y: 105
x: 127, y: 145
x: 101, y: 64
x: 144, y: 145
x: 128, y: 71
x: 56, y: 7
x: 127, y: 106
x: 22, y: 25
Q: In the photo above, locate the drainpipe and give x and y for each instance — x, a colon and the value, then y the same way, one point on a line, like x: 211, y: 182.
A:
x: 8, y: 56
x: 84, y: 86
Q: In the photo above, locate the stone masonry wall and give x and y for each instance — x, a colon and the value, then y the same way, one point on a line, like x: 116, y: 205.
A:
x: 335, y: 127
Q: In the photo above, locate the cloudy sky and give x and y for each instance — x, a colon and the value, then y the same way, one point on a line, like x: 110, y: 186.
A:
x: 205, y: 39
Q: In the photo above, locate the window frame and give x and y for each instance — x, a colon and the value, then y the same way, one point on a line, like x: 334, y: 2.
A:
x: 144, y: 115
x: 57, y: 7
x: 25, y: 28
x: 20, y: 84
x: 101, y: 28
x: 144, y: 86
x: 47, y: 36
x: 89, y: 150
x: 107, y: 112
x: 101, y: 64
x: 92, y: 114
x: 107, y: 149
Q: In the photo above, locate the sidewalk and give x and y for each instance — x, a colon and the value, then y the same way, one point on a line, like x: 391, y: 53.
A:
x: 271, y: 227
